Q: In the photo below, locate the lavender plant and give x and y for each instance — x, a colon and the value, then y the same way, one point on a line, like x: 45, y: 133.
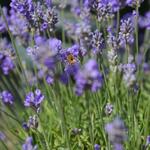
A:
x: 68, y: 69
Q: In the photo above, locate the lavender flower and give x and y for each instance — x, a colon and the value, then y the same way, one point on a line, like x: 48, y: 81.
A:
x: 97, y: 41
x: 144, y: 22
x: 148, y: 140
x: 6, y: 61
x: 80, y: 32
x: 49, y: 79
x: 104, y: 11
x: 28, y: 145
x: 126, y: 32
x: 7, y: 97
x: 32, y: 122
x: 2, y: 23
x: 108, y: 109
x: 2, y: 136
x: 88, y: 78
x: 34, y: 99
x: 45, y: 52
x: 25, y: 7
x: 112, y: 40
x: 96, y: 147
x: 116, y: 133
x: 128, y: 73
x: 7, y: 65
x: 49, y: 20
x: 134, y: 3
x: 18, y: 25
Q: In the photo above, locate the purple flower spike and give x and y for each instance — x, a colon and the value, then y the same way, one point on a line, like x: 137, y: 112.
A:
x: 7, y: 65
x: 34, y: 99
x: 126, y: 32
x: 96, y: 147
x: 148, y: 140
x: 88, y: 78
x: 28, y: 144
x: 7, y: 97
x: 116, y: 133
x: 49, y: 80
x: 2, y: 136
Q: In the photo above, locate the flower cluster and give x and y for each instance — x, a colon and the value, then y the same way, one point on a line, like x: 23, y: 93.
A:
x: 28, y: 145
x: 32, y: 123
x: 7, y: 97
x: 34, y: 99
x: 126, y: 32
x: 134, y: 3
x: 128, y: 73
x: 144, y: 22
x: 6, y: 61
x: 104, y: 11
x: 88, y: 78
x: 36, y: 14
x: 116, y: 133
x: 97, y: 41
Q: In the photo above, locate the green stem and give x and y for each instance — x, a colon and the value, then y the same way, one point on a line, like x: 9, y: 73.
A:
x: 118, y: 22
x: 89, y: 118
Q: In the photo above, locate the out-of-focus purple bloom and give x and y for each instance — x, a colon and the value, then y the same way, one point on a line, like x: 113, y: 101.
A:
x: 2, y: 22
x: 34, y: 99
x: 18, y: 24
x: 96, y: 147
x: 128, y: 73
x: 2, y: 136
x: 7, y: 97
x: 148, y: 140
x: 97, y: 41
x: 48, y: 3
x: 116, y: 133
x: 6, y: 61
x: 88, y: 78
x: 144, y: 22
x: 7, y: 65
x: 126, y: 32
x: 28, y: 145
x: 45, y: 51
x: 112, y: 40
x: 108, y: 109
x: 146, y: 67
x: 134, y: 3
x: 80, y: 32
x: 55, y: 45
x: 64, y: 78
x: 118, y: 146
x: 49, y: 79
x: 50, y: 62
